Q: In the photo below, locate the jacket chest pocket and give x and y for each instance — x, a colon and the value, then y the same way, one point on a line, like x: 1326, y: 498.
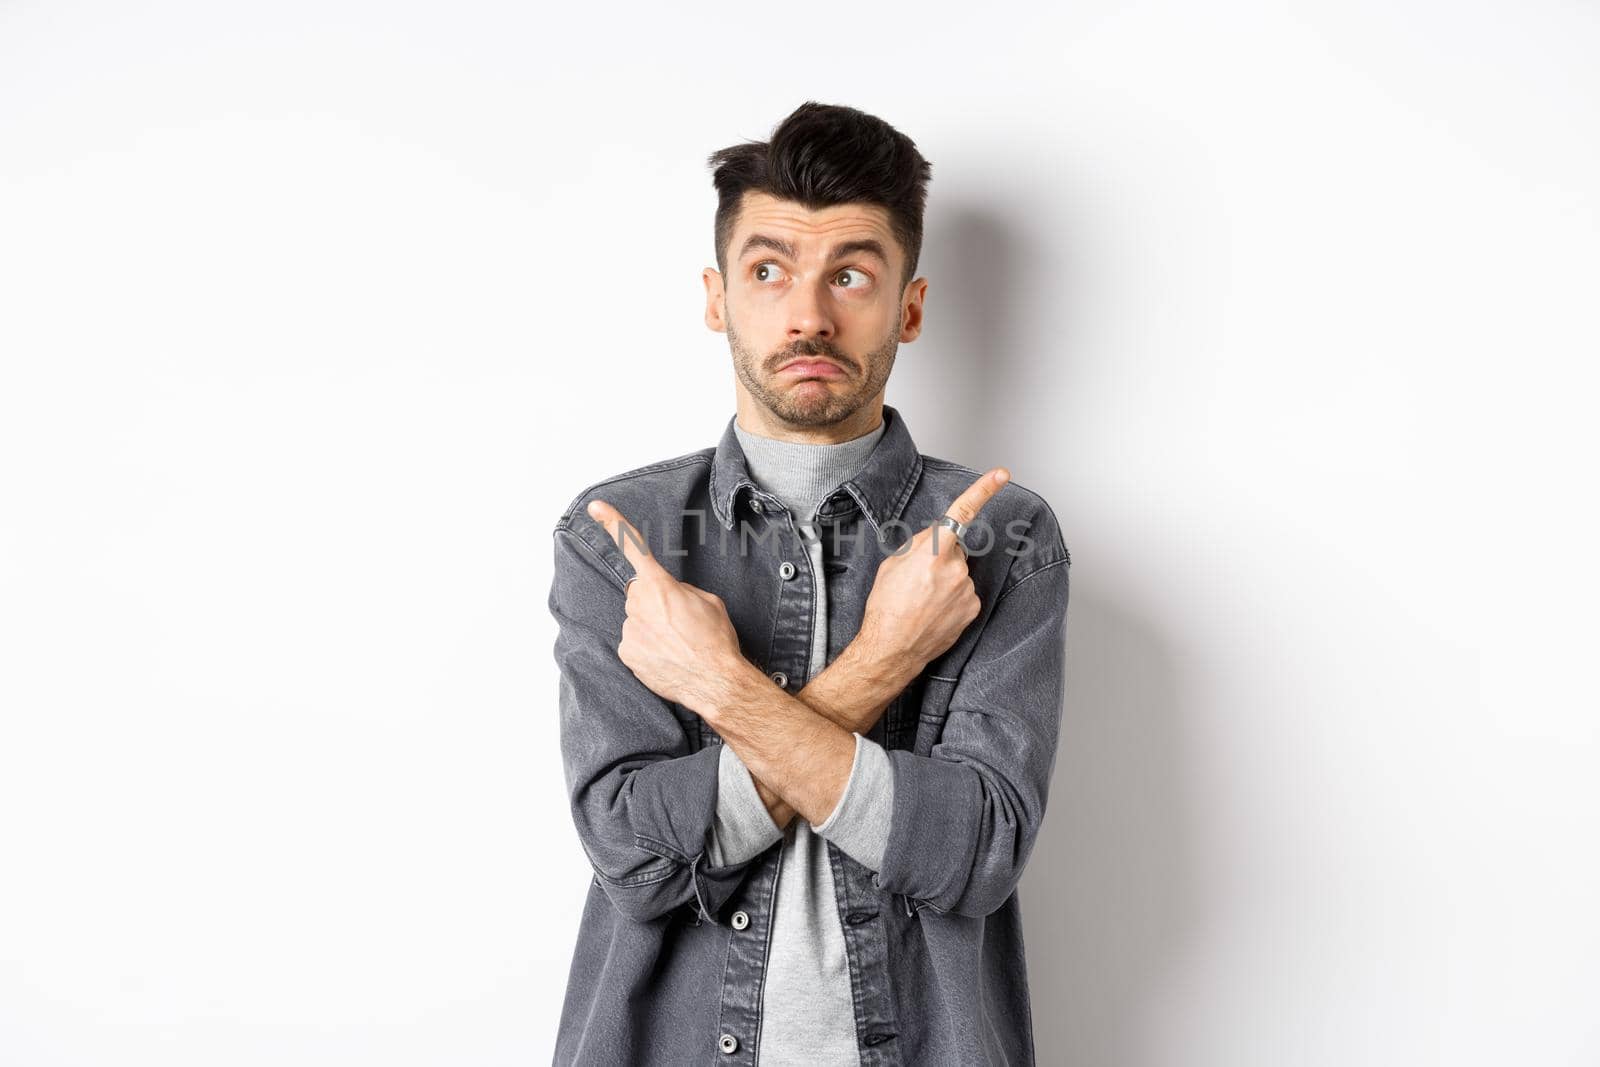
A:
x: 933, y: 707
x: 900, y: 718
x: 694, y: 727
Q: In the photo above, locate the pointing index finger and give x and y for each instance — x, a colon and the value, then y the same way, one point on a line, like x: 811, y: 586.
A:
x: 627, y: 537
x: 965, y: 508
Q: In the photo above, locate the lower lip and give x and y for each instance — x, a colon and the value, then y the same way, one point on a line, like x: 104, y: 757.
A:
x: 813, y: 370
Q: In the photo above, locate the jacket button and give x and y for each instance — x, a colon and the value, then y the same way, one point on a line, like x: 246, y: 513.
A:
x: 728, y: 1043
x: 781, y: 678
x: 756, y: 505
x: 786, y: 570
x: 740, y: 920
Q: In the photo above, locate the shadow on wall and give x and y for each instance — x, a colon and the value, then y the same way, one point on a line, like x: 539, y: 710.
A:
x: 1109, y: 900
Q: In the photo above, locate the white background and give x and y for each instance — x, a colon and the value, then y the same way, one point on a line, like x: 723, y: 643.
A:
x: 314, y: 316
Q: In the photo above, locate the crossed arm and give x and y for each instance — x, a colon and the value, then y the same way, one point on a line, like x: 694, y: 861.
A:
x: 799, y: 750
x: 644, y: 799
x: 850, y: 694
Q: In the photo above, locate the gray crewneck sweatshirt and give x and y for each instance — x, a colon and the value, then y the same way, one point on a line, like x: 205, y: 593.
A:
x: 807, y: 1015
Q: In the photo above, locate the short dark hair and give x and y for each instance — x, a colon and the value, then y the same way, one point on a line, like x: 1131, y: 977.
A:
x: 823, y: 155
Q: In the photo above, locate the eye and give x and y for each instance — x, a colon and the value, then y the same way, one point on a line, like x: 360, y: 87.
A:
x: 767, y: 265
x: 853, y: 272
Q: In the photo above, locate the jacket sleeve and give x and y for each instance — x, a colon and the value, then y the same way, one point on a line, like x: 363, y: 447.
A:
x: 966, y: 815
x: 642, y: 800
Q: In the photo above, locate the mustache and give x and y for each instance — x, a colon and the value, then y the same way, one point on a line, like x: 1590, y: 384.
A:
x: 811, y: 351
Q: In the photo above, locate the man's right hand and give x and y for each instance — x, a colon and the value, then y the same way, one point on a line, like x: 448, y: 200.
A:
x: 923, y: 596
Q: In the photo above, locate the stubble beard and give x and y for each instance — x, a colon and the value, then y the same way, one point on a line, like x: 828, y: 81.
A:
x: 812, y: 404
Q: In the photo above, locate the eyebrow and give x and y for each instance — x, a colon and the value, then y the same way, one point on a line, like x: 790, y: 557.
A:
x: 868, y: 245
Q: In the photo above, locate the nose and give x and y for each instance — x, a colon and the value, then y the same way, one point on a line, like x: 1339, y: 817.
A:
x: 809, y: 312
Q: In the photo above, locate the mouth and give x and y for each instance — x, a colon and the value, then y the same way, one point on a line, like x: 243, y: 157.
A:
x: 809, y: 367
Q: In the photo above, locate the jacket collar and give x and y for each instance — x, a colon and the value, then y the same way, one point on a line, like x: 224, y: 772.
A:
x: 881, y: 487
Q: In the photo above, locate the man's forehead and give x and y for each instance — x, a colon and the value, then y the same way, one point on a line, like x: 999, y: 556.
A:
x: 764, y: 213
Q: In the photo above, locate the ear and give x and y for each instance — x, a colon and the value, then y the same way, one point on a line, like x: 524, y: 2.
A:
x: 715, y: 296
x: 911, y: 321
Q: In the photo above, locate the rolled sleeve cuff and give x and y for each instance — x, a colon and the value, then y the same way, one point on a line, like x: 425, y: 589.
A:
x: 933, y: 836
x: 859, y: 824
x: 742, y: 828
x: 672, y: 802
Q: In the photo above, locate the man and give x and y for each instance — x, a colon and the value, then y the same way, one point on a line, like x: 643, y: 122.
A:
x: 807, y: 731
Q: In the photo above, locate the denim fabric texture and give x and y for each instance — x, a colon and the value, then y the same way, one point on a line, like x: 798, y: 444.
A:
x: 670, y: 952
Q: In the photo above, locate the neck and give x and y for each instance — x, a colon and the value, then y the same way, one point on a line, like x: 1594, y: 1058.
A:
x: 758, y: 419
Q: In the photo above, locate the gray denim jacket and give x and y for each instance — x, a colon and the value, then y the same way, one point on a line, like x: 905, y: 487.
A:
x: 668, y: 964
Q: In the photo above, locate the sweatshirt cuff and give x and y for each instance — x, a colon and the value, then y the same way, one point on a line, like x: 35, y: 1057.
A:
x: 741, y: 827
x: 859, y: 824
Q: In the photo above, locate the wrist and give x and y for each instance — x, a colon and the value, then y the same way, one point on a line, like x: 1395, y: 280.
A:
x: 880, y: 666
x: 727, y: 683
